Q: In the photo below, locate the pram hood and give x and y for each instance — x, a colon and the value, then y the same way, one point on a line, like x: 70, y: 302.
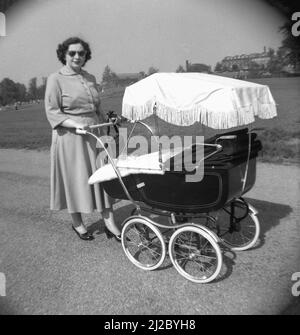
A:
x: 185, y: 98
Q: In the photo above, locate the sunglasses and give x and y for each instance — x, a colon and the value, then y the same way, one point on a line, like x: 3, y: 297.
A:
x: 80, y: 53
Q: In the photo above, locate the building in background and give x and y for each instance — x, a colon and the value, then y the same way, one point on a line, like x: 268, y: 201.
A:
x: 244, y: 62
x: 246, y: 65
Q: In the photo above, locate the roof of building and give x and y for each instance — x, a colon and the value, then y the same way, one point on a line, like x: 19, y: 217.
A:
x: 244, y: 56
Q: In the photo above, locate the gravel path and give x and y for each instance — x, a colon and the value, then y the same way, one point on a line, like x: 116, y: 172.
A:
x: 49, y: 270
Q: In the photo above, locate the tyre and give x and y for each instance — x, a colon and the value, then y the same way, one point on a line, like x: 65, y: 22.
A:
x: 238, y: 226
x: 195, y: 254
x: 143, y: 243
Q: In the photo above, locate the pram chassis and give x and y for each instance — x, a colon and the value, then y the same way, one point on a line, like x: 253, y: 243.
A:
x: 194, y: 248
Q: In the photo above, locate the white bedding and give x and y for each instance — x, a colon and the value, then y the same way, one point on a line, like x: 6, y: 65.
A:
x: 148, y: 163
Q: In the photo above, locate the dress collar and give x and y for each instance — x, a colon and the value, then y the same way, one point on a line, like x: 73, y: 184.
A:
x: 69, y: 72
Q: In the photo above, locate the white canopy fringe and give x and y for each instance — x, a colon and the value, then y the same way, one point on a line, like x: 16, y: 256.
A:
x: 185, y: 98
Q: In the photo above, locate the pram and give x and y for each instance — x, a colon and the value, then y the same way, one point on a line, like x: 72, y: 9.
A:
x: 190, y: 219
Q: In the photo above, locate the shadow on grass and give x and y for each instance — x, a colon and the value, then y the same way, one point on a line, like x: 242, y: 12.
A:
x: 269, y: 215
x: 293, y: 308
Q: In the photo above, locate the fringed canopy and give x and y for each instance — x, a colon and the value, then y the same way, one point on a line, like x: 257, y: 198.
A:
x: 185, y: 98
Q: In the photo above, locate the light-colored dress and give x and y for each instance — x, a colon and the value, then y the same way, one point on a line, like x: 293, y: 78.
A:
x: 73, y: 157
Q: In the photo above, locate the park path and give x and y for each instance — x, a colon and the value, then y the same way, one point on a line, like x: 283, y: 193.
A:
x: 49, y: 271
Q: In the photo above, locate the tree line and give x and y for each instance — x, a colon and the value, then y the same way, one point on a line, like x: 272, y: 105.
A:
x: 13, y: 92
x: 110, y: 79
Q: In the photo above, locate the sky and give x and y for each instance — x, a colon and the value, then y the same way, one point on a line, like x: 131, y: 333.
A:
x: 132, y: 35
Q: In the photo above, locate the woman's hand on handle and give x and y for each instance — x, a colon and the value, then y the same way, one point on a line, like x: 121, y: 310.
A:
x: 80, y: 127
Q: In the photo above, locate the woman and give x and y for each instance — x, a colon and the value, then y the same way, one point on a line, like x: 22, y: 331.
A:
x: 72, y: 102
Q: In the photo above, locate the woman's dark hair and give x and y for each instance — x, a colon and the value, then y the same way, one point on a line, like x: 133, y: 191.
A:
x: 64, y: 46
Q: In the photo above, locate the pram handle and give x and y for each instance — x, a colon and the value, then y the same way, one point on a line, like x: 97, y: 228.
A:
x: 80, y: 131
x: 84, y: 132
x: 100, y: 125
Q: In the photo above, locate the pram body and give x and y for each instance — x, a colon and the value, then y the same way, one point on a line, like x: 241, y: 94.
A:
x: 221, y: 183
x: 229, y: 172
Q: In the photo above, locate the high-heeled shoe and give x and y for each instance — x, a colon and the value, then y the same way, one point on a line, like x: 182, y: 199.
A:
x: 85, y: 236
x: 110, y: 235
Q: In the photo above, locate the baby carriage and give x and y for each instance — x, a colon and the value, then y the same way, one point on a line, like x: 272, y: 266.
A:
x: 189, y: 219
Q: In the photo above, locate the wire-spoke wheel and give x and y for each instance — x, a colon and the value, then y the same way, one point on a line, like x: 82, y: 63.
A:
x: 143, y: 243
x: 195, y: 254
x: 238, y: 226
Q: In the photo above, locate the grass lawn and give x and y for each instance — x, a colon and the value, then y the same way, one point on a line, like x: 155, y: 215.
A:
x: 25, y: 128
x: 28, y: 127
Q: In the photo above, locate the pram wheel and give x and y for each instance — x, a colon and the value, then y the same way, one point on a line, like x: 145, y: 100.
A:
x: 238, y: 226
x: 195, y: 254
x: 143, y: 243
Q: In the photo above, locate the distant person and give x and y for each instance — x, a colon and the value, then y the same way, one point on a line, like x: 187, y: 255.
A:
x: 72, y: 102
x: 16, y: 106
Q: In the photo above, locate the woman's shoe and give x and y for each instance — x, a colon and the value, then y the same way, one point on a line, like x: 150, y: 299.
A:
x: 110, y: 235
x: 86, y: 236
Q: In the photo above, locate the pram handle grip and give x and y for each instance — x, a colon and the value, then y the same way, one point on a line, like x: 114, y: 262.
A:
x: 84, y: 132
x: 80, y: 131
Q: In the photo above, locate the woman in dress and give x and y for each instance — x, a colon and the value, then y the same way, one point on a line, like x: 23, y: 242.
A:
x: 72, y: 102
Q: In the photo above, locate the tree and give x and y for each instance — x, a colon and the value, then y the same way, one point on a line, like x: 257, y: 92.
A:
x: 109, y: 78
x: 290, y: 42
x: 8, y: 91
x: 41, y: 89
x: 106, y: 74
x: 5, y: 4
x: 274, y: 65
x: 20, y: 92
x: 152, y: 70
x: 32, y: 88
x: 286, y: 7
x: 180, y: 69
x: 199, y: 67
x: 142, y: 75
x: 218, y: 67
x: 271, y: 52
